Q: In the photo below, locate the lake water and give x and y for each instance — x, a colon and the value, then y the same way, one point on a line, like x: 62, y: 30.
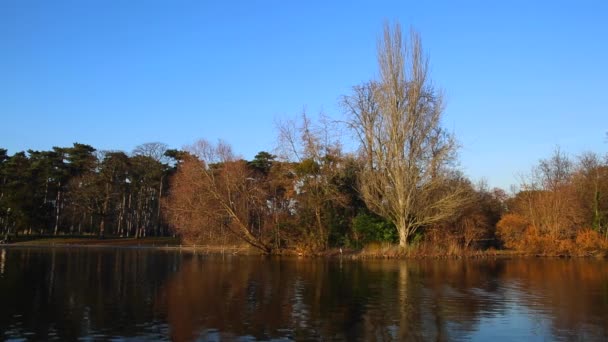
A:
x: 142, y: 294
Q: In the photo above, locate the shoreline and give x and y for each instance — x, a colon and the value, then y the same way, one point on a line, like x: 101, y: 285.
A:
x: 333, y: 253
x: 129, y: 244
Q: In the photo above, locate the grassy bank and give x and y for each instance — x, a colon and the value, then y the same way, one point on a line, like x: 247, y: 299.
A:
x: 413, y: 252
x: 147, y: 242
x: 371, y: 251
x: 94, y: 241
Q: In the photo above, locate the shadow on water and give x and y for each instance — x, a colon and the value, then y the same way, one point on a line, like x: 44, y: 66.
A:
x: 111, y: 294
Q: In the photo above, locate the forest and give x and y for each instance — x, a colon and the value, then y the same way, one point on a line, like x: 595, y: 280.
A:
x: 81, y: 191
x: 400, y: 187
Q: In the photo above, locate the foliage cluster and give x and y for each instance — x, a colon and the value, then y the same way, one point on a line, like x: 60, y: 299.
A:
x: 372, y: 228
x: 562, y: 208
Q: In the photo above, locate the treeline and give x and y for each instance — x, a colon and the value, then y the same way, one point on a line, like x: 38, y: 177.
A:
x: 306, y: 205
x: 400, y: 186
x: 79, y: 190
x: 207, y: 195
x: 314, y: 204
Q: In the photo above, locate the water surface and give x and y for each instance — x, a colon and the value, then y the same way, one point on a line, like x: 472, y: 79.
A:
x: 143, y: 294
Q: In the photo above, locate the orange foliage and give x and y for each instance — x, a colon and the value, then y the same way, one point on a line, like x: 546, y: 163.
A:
x: 549, y: 215
x: 589, y: 241
x: 217, y: 203
x: 510, y: 229
x: 535, y: 242
x: 516, y: 233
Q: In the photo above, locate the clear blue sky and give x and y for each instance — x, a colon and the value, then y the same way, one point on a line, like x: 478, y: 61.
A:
x: 520, y: 76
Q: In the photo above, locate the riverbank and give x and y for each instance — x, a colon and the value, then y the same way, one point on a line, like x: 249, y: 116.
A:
x: 95, y: 241
x: 395, y: 252
x: 158, y: 243
x: 390, y: 251
x: 373, y: 251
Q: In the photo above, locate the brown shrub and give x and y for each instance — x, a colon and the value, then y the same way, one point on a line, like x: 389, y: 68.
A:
x: 511, y: 229
x: 589, y: 241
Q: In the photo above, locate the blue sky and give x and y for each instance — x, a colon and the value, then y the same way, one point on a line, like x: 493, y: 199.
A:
x: 520, y: 77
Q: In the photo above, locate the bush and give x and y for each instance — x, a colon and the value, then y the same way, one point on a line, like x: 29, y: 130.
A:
x: 372, y: 228
x: 588, y: 241
x: 511, y: 229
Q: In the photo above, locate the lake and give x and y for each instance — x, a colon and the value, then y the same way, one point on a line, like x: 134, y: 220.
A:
x: 145, y: 294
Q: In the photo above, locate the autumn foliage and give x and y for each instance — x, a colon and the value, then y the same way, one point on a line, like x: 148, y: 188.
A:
x: 510, y: 229
x: 217, y: 199
x: 560, y: 209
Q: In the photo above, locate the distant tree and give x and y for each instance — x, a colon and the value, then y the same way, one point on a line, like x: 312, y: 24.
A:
x: 262, y: 161
x: 398, y: 123
x: 147, y: 177
x: 113, y: 173
x: 591, y: 182
x: 161, y: 153
x: 82, y: 195
x: 549, y: 201
x: 83, y: 202
x: 176, y: 156
x: 60, y: 175
x: 154, y: 150
x: 81, y: 159
x: 19, y: 201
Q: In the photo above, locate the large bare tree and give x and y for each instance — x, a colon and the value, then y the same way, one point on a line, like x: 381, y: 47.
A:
x: 407, y: 154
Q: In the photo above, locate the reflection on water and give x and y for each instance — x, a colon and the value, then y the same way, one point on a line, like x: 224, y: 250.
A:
x: 2, y: 261
x: 114, y: 294
x: 68, y: 293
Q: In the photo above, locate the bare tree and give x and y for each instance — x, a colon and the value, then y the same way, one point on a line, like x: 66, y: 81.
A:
x: 548, y: 198
x: 213, y: 190
x: 407, y: 153
x: 555, y: 172
x: 154, y: 150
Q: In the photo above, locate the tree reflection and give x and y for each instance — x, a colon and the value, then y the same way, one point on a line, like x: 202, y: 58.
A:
x: 68, y: 294
x: 373, y: 300
x: 573, y: 293
x: 291, y: 298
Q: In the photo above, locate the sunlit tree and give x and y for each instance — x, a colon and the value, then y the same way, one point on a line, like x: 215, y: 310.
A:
x: 407, y: 153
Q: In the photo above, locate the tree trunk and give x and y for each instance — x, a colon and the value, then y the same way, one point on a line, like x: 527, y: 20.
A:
x: 322, y: 234
x: 121, y: 215
x: 158, y: 214
x: 129, y: 217
x: 403, y: 231
x: 57, y: 209
x: 104, y: 212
